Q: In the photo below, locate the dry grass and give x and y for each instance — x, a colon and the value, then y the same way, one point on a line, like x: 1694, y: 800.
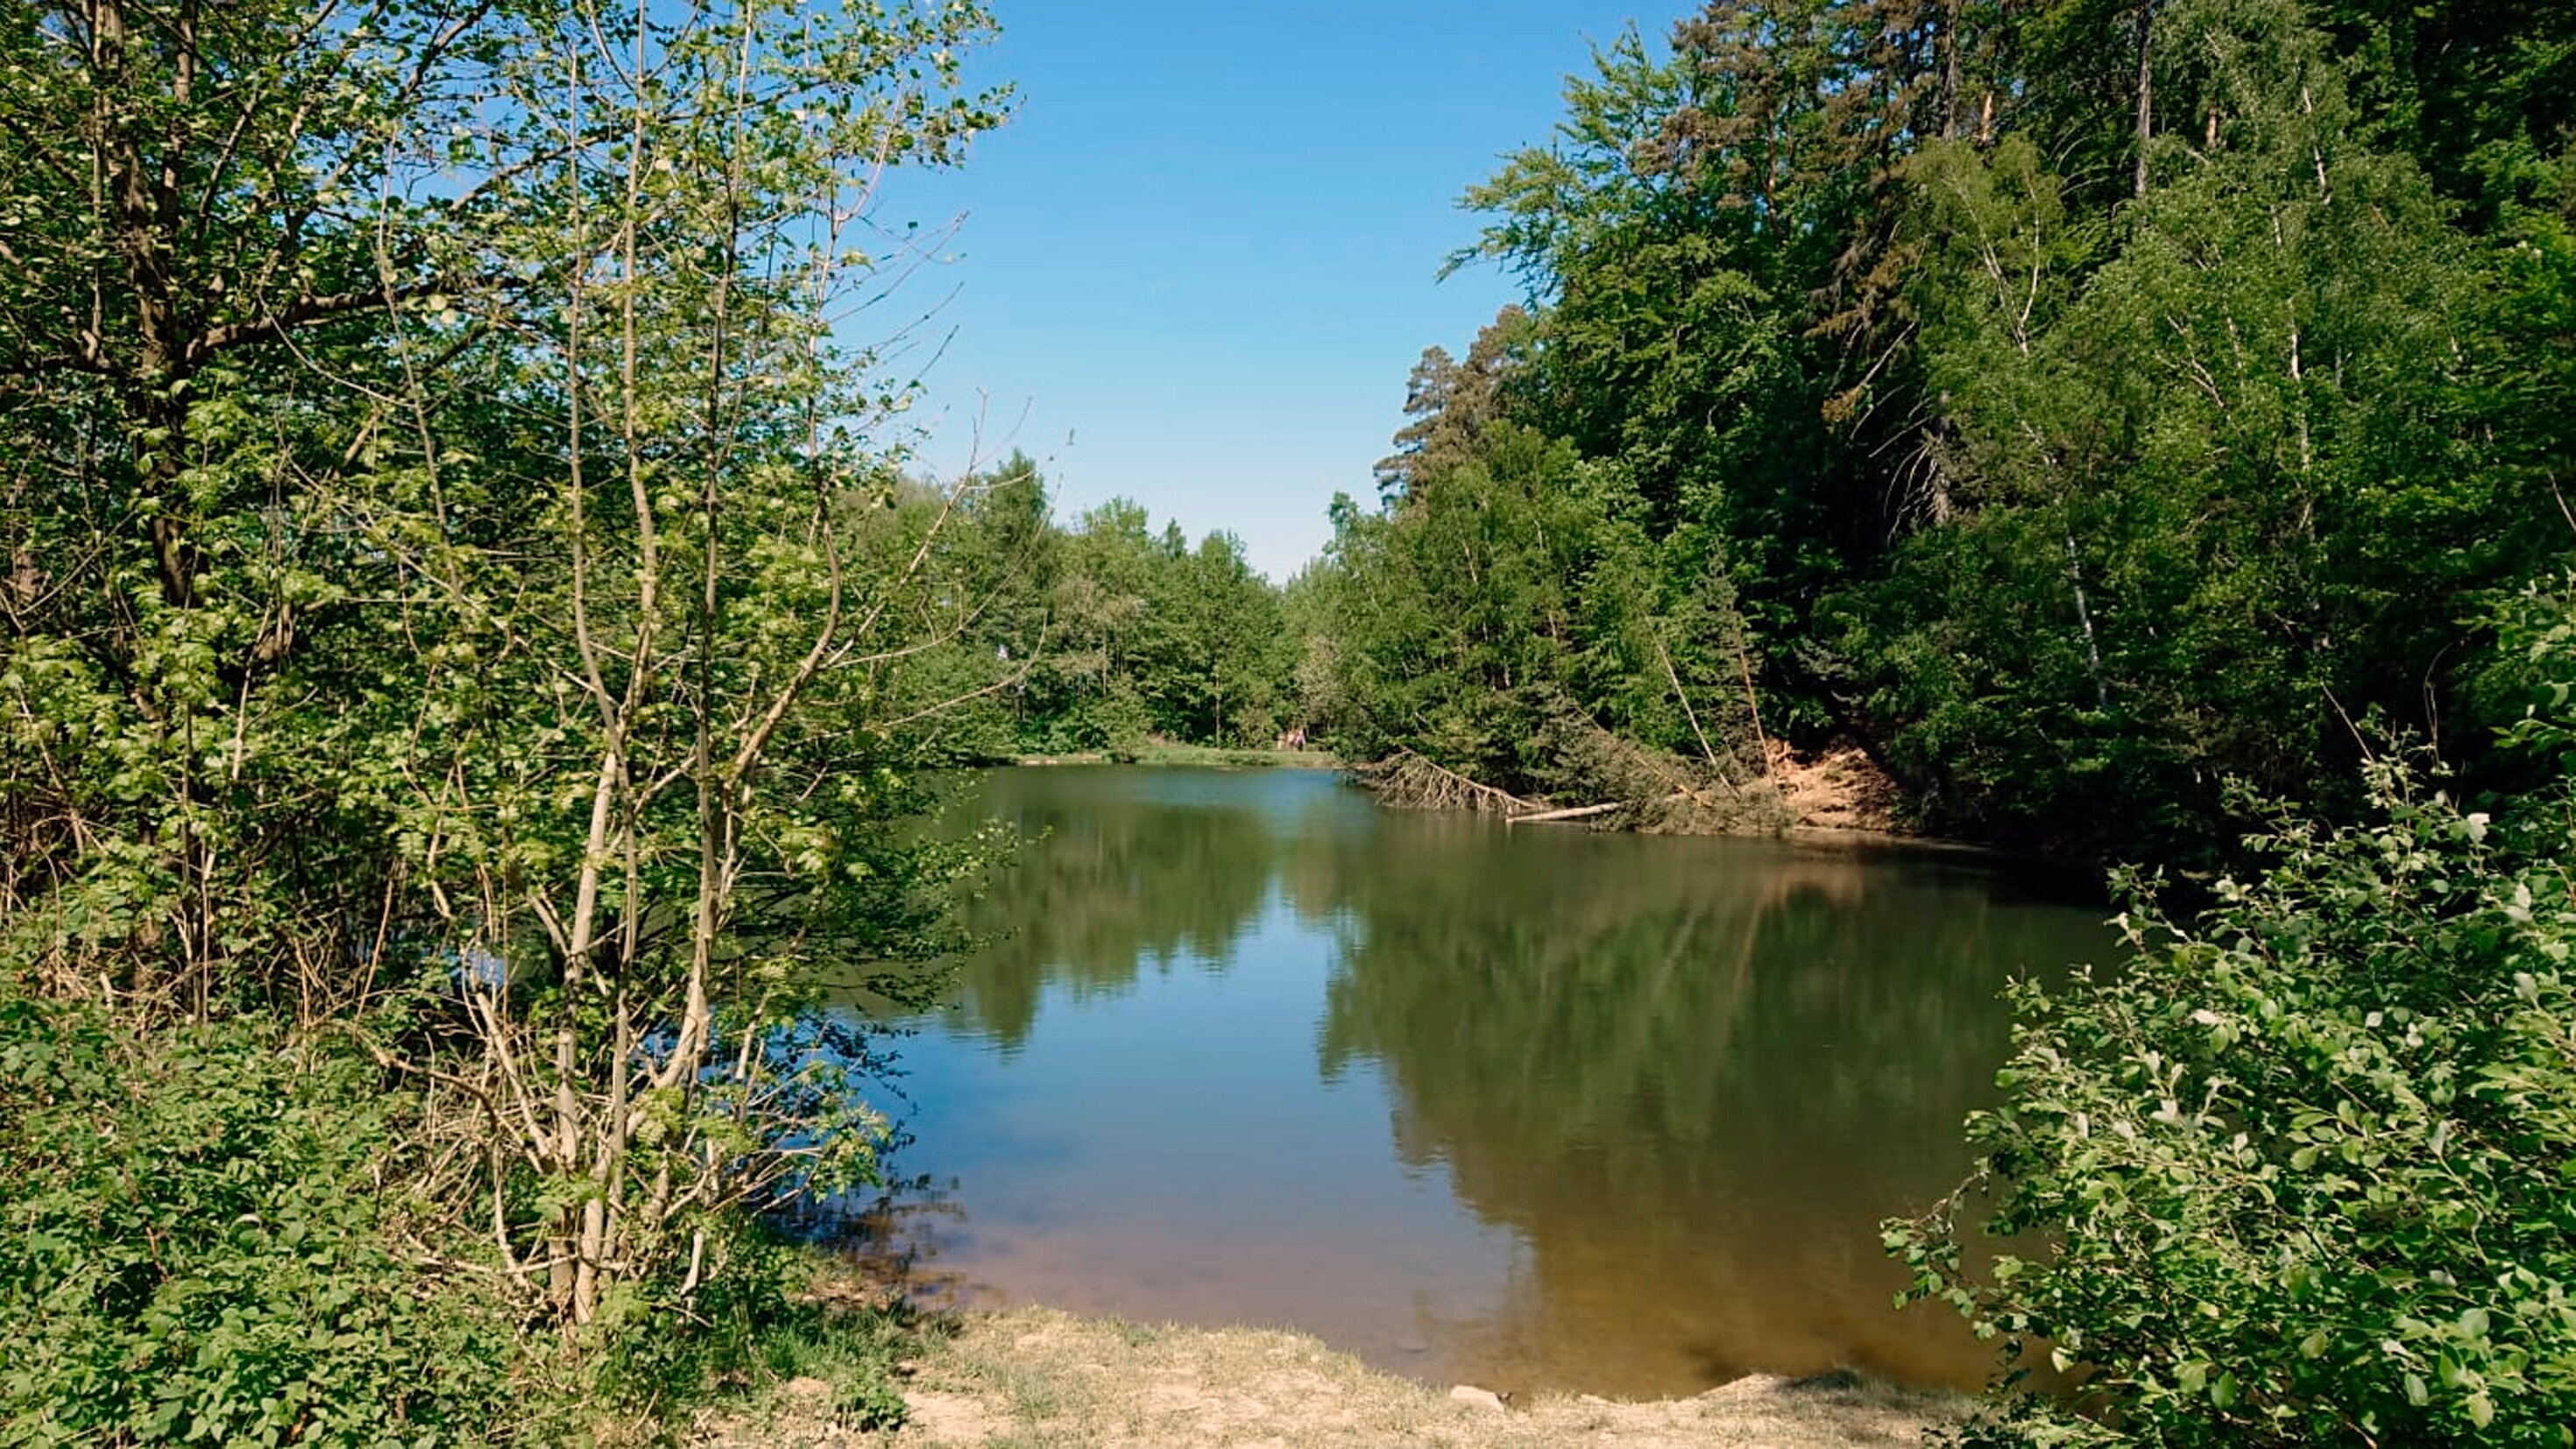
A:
x: 1037, y: 1377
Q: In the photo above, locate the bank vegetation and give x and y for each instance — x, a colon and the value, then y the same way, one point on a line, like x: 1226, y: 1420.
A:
x: 457, y: 556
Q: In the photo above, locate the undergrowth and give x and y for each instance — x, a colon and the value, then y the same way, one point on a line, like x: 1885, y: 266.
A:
x: 207, y: 1235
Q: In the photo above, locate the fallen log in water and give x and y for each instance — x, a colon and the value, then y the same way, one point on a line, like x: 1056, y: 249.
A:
x: 1579, y: 812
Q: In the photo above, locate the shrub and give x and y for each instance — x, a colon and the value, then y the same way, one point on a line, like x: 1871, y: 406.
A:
x: 199, y: 1242
x: 2307, y: 1169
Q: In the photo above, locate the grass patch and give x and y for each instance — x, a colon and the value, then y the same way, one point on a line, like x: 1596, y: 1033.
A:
x: 823, y: 1367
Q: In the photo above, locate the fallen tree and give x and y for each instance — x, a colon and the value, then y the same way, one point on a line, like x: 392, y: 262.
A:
x: 1417, y: 783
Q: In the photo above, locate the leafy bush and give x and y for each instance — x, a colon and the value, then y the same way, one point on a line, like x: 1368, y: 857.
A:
x: 2308, y: 1167
x: 197, y: 1244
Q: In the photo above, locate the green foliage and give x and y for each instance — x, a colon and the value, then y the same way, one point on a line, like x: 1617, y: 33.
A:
x: 1510, y: 616
x: 2078, y: 404
x: 190, y: 686
x: 853, y: 1350
x: 1450, y: 603
x: 215, y: 1235
x: 453, y: 544
x: 2216, y: 475
x: 2300, y: 1165
x: 1101, y: 635
x: 203, y: 1240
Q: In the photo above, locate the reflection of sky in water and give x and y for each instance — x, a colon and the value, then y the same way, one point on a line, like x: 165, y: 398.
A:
x: 1530, y: 1108
x: 1177, y: 1153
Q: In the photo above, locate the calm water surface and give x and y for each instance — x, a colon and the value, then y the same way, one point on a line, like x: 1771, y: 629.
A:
x: 1529, y: 1108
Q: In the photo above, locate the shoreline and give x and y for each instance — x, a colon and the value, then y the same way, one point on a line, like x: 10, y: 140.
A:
x: 1830, y: 827
x: 1043, y: 1376
x: 1163, y: 754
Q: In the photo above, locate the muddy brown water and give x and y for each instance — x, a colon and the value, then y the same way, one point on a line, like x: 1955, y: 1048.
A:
x: 1531, y: 1108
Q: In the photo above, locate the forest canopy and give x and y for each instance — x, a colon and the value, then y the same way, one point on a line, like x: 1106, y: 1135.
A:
x: 2144, y: 428
x: 2083, y: 408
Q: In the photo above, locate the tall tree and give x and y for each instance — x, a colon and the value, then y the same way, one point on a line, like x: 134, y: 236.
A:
x: 637, y: 814
x: 447, y: 540
x: 216, y: 215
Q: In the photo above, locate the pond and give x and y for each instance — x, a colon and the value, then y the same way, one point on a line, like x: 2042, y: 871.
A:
x: 1529, y: 1108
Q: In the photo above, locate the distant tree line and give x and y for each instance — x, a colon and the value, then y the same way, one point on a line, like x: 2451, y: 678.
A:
x: 1096, y: 634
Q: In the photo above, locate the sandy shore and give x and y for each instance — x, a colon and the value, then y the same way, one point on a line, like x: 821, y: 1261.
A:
x: 1038, y: 1377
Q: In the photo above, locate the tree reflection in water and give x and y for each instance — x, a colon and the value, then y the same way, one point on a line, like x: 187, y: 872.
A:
x: 1682, y: 1079
x: 1114, y: 877
x: 1691, y: 1076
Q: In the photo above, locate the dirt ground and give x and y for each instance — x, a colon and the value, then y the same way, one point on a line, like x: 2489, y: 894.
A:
x: 1837, y: 789
x: 1037, y: 1377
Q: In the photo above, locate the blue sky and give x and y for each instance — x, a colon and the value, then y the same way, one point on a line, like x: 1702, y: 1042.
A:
x: 1198, y: 264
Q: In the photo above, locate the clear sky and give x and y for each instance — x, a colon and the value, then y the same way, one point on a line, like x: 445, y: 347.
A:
x: 1198, y: 264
